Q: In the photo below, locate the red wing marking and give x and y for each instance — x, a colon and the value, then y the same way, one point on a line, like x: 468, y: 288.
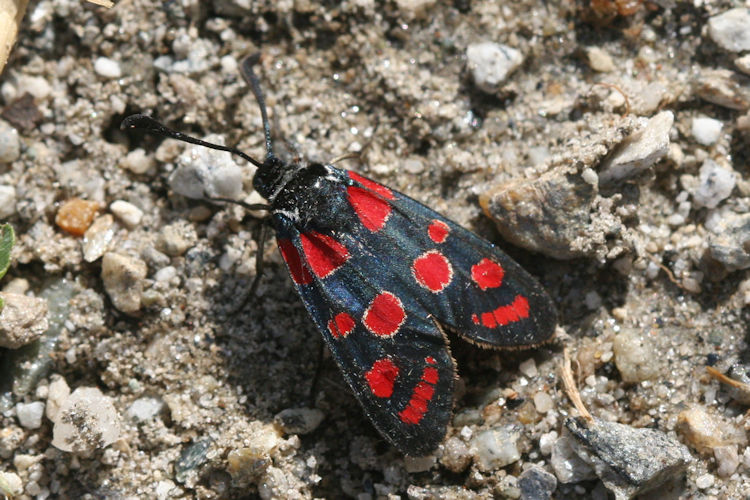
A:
x: 341, y: 325
x: 423, y: 392
x: 372, y: 210
x: 432, y: 270
x: 515, y: 311
x: 487, y: 274
x: 372, y: 185
x: 438, y: 231
x: 324, y: 254
x: 381, y: 377
x: 385, y: 315
x: 297, y: 269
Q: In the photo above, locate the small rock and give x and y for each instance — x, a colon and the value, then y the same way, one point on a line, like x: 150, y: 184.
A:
x: 456, y: 455
x: 567, y: 465
x: 247, y: 464
x: 537, y: 484
x: 10, y: 144
x: 628, y: 460
x: 107, y: 68
x: 496, y: 448
x: 191, y: 458
x: 543, y: 402
x: 10, y: 484
x: 724, y: 88
x: 599, y: 60
x: 546, y: 441
x: 145, y: 408
x: 706, y: 130
x: 57, y: 393
x: 123, y: 280
x: 299, y: 420
x: 528, y: 368
x: 414, y: 465
x: 76, y: 215
x: 137, y: 161
x: 23, y: 319
x: 97, y: 237
x: 203, y: 172
x: 703, y: 430
x: 635, y: 356
x: 165, y: 274
x: 414, y: 8
x: 11, y: 438
x: 741, y: 373
x: 638, y: 151
x: 704, y: 481
x: 727, y: 460
x: 127, y: 213
x: 715, y: 184
x: 30, y: 415
x: 730, y: 242
x: 86, y: 421
x: 491, y: 63
x: 730, y: 30
x: 7, y: 201
x: 743, y: 64
x: 175, y: 239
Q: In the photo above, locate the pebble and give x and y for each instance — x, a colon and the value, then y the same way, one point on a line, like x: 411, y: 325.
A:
x: 546, y: 442
x: 721, y: 87
x: 715, y: 184
x: 76, y: 215
x: 728, y: 244
x: 123, y: 280
x: 10, y: 484
x: 701, y: 429
x: 543, y: 402
x: 599, y: 60
x: 11, y: 437
x: 704, y: 481
x: 137, y: 161
x: 57, y: 392
x: 537, y: 484
x: 706, y: 131
x: 23, y: 319
x: 97, y: 238
x: 145, y: 408
x: 87, y: 420
x: 10, y: 144
x: 730, y: 30
x: 496, y: 448
x: 566, y: 464
x: 165, y: 274
x: 491, y: 63
x: 205, y: 172
x: 636, y: 357
x: 7, y: 201
x: 30, y: 414
x: 638, y: 151
x: 107, y: 68
x: 628, y: 460
x: 299, y: 420
x: 727, y: 460
x: 174, y: 239
x: 414, y: 465
x: 456, y: 455
x: 414, y: 8
x: 743, y: 64
x: 127, y: 213
x: 528, y: 368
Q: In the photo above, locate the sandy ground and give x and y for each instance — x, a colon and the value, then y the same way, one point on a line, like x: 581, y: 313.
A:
x: 210, y: 374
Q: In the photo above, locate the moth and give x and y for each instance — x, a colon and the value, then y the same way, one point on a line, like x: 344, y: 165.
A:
x: 383, y: 277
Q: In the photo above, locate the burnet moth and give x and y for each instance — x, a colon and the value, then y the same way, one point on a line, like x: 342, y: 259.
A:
x: 382, y: 277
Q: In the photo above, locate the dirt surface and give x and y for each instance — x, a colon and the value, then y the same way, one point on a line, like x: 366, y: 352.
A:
x: 197, y: 374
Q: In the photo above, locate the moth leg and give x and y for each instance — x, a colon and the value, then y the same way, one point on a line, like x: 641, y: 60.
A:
x: 316, y: 376
x: 247, y: 206
x: 259, y: 262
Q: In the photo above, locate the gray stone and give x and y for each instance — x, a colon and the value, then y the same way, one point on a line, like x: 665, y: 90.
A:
x: 7, y: 201
x: 299, y: 420
x: 30, y: 414
x: 491, y: 63
x: 10, y: 144
x: 23, y: 319
x: 203, y: 172
x: 537, y: 484
x: 730, y: 243
x: 730, y: 30
x: 87, y: 420
x: 715, y: 184
x: 496, y: 448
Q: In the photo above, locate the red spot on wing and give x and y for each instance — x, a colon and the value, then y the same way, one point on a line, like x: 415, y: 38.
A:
x: 372, y: 210
x: 381, y: 377
x: 385, y: 315
x: 341, y: 325
x: 430, y: 360
x: 503, y: 315
x: 487, y: 274
x: 438, y: 231
x: 421, y: 396
x: 324, y: 254
x: 432, y: 270
x: 291, y: 256
x: 372, y: 185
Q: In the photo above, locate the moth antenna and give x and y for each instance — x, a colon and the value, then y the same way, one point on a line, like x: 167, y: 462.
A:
x: 152, y: 126
x: 248, y: 73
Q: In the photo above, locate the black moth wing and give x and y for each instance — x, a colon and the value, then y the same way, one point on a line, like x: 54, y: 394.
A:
x: 404, y: 380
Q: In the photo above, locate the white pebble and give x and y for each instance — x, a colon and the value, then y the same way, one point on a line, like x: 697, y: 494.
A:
x: 145, y: 408
x: 86, y: 421
x: 528, y: 368
x: 546, y: 441
x: 491, y: 63
x: 165, y: 273
x: 10, y: 144
x: 731, y: 29
x: 205, y: 172
x: 600, y: 60
x: 715, y: 184
x: 12, y: 483
x: 57, y: 393
x: 743, y: 64
x: 496, y: 448
x: 127, y: 213
x: 30, y: 415
x: 706, y: 130
x: 727, y: 459
x: 7, y: 201
x: 543, y: 402
x: 107, y: 68
x: 704, y: 481
x: 414, y: 8
x: 137, y: 161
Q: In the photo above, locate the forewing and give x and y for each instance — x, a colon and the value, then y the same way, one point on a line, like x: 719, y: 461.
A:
x: 391, y: 353
x: 465, y: 282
